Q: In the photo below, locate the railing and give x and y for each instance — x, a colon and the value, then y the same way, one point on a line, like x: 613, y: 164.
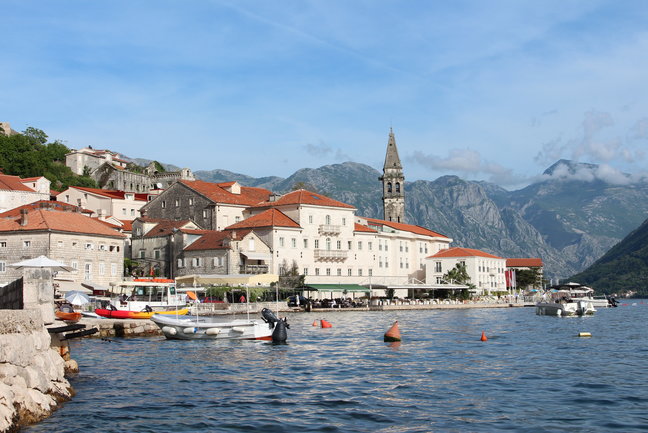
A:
x: 328, y: 229
x: 254, y: 269
x: 335, y: 255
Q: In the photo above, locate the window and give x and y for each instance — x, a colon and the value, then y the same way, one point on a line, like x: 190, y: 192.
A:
x: 386, y: 263
x: 113, y: 269
x: 437, y: 267
x: 316, y: 271
x: 401, y: 263
x: 102, y: 247
x: 339, y: 272
x: 3, y: 267
x: 75, y: 266
x: 401, y: 246
x: 204, y: 213
x: 359, y: 272
x: 349, y: 245
x: 328, y: 271
x: 3, y: 244
x: 328, y: 219
x: 305, y: 243
x: 191, y: 201
x: 343, y: 221
x: 386, y: 246
x: 102, y: 268
x: 370, y: 246
x: 142, y: 254
x: 251, y: 245
x: 380, y: 262
x: 181, y: 263
x: 349, y: 272
x: 138, y: 231
x: 59, y: 244
x: 89, y: 246
x: 163, y: 204
x: 339, y: 245
x: 406, y: 248
x: 293, y: 242
x: 328, y: 243
x: 26, y: 244
x: 88, y: 271
x: 305, y: 271
x: 177, y: 203
x: 281, y: 242
x: 359, y: 245
x: 316, y: 243
x: 310, y: 219
x: 132, y: 212
x: 237, y: 218
x: 370, y: 272
x: 156, y: 254
x: 124, y: 211
x: 379, y: 245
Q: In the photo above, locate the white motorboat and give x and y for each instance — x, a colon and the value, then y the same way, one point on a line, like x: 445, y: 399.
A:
x: 148, y: 294
x: 579, y: 292
x: 561, y: 303
x: 195, y: 328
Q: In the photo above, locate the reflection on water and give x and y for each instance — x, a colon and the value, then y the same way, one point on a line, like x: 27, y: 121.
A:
x: 441, y: 377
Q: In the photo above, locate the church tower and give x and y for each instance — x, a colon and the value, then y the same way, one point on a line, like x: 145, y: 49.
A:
x: 393, y: 183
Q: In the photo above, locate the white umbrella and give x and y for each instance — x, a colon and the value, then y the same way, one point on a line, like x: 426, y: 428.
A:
x: 42, y: 262
x: 75, y: 297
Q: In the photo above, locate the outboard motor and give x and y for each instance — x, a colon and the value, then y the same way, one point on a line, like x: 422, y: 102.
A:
x: 279, y: 335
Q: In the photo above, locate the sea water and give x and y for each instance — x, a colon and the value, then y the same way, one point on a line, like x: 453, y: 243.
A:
x: 533, y: 374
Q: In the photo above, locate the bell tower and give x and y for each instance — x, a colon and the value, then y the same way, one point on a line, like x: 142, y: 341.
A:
x: 393, y: 182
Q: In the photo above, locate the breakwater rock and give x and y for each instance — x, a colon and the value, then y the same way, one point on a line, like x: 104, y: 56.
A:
x: 32, y: 372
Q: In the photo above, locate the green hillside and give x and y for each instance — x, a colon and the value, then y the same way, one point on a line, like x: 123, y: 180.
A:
x: 622, y: 268
x: 29, y: 155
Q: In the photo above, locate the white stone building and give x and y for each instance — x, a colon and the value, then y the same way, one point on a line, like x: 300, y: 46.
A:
x: 121, y: 205
x: 15, y: 191
x: 486, y: 271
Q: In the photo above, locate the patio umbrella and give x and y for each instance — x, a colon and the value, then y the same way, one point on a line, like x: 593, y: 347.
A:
x: 75, y: 297
x: 42, y: 262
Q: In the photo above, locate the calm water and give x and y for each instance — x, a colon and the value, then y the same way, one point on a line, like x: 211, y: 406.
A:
x: 532, y: 374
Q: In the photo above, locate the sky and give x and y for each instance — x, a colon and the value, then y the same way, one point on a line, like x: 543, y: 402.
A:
x: 486, y: 90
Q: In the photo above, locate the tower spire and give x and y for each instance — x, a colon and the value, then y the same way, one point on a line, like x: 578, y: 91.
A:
x: 393, y: 183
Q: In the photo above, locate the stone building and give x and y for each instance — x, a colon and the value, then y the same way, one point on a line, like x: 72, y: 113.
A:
x: 109, y: 170
x: 15, y: 191
x: 486, y: 271
x: 393, y: 183
x: 212, y: 206
x: 122, y: 205
x: 62, y: 233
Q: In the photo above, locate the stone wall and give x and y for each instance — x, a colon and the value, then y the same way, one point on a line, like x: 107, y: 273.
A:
x: 32, y: 381
x: 11, y: 296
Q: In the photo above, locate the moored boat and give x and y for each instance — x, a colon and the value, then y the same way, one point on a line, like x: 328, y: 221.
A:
x: 145, y: 294
x: 127, y: 314
x: 196, y: 328
x: 70, y: 317
x: 561, y: 302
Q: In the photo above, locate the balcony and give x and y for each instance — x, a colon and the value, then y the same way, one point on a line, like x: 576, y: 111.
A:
x: 254, y: 269
x: 331, y: 255
x: 329, y: 230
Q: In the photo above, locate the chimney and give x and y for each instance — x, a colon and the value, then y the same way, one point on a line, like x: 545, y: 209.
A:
x: 24, y: 217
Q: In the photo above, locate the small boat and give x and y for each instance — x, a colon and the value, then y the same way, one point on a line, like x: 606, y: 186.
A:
x: 127, y: 314
x: 195, y: 328
x: 560, y: 302
x: 67, y: 316
x: 158, y: 294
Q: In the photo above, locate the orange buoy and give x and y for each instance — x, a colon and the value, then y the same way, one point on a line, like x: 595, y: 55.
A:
x: 483, y: 337
x: 393, y: 333
x: 315, y: 322
x: 326, y: 324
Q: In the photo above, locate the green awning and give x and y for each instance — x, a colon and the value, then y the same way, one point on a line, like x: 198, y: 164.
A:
x: 335, y: 287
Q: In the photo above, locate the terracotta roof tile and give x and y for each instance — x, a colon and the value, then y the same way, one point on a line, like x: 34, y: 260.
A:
x: 13, y: 183
x: 531, y: 262
x: 464, y: 252
x: 267, y: 218
x: 362, y: 228
x: 165, y: 228
x: 54, y: 218
x: 218, y: 194
x: 114, y: 194
x: 212, y: 240
x: 404, y: 227
x: 303, y: 196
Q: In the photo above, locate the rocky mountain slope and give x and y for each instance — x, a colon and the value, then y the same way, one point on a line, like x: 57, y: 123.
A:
x: 569, y: 220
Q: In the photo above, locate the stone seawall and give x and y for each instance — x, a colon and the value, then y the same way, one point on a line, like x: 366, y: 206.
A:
x: 32, y: 372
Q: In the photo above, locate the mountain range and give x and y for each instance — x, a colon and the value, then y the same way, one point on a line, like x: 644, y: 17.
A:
x: 570, y: 217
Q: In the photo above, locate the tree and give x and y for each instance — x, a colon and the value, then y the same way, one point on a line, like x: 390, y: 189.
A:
x: 35, y: 134
x: 290, y: 277
x: 458, y: 274
x: 528, y: 278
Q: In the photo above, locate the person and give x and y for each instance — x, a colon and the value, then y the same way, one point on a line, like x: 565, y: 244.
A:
x: 122, y: 299
x: 242, y: 299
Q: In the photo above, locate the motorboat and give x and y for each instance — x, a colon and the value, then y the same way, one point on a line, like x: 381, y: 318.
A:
x: 269, y: 327
x: 146, y: 294
x: 66, y: 313
x: 114, y: 313
x: 559, y: 302
x: 579, y: 292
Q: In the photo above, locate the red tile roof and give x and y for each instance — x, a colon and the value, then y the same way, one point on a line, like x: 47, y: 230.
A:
x: 13, y: 183
x: 127, y: 225
x: 267, y: 218
x: 464, y: 252
x: 165, y: 228
x: 216, y: 193
x: 531, y: 262
x: 212, y: 240
x: 302, y: 196
x: 365, y: 229
x: 404, y: 227
x: 54, y: 218
x: 114, y: 194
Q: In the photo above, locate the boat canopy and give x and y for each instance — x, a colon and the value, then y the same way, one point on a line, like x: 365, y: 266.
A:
x: 335, y: 288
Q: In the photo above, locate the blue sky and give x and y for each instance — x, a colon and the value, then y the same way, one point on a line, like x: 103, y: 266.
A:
x: 488, y: 90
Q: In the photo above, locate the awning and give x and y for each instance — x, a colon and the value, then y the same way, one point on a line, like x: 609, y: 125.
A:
x: 94, y: 286
x: 256, y: 255
x: 65, y: 285
x: 335, y: 288
x: 231, y: 279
